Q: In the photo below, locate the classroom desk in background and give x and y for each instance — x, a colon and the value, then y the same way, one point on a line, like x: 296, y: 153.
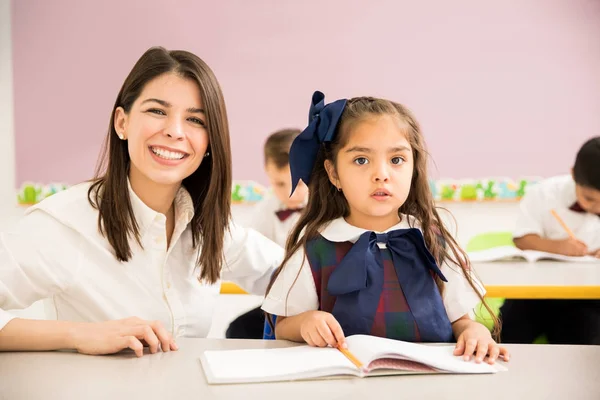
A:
x: 534, y: 372
x: 523, y: 280
x: 540, y: 280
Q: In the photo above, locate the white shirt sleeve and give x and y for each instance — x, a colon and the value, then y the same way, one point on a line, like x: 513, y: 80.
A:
x: 294, y: 291
x: 250, y: 259
x: 458, y: 296
x: 39, y: 258
x: 531, y: 214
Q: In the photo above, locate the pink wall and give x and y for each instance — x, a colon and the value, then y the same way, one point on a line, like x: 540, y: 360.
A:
x: 506, y: 88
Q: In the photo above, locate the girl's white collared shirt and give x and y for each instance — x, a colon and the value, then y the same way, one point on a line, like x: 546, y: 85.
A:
x: 57, y: 252
x: 294, y: 291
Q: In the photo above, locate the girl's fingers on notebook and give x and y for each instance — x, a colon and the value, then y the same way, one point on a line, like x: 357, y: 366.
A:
x: 316, y: 338
x: 319, y: 328
x: 504, y: 353
x: 307, y: 339
x: 460, y: 346
x: 337, y: 331
x: 326, y: 333
x: 482, y: 350
x: 493, y: 354
x: 470, y: 346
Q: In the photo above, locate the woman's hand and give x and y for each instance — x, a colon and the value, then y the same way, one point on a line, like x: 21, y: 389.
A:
x: 113, y: 336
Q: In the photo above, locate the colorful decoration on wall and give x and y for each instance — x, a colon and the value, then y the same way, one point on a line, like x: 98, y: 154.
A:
x: 489, y: 189
x: 31, y: 193
x: 248, y: 192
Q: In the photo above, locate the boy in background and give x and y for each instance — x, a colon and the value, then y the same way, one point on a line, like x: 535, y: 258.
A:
x: 576, y: 199
x: 274, y: 217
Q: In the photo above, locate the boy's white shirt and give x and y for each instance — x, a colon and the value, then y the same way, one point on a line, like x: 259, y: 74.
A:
x: 556, y: 193
x: 294, y: 291
x: 266, y: 222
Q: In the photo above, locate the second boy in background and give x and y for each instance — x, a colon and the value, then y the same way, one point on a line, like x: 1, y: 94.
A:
x: 274, y: 217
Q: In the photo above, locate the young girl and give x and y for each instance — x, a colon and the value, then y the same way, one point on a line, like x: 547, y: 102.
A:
x: 370, y: 254
x: 136, y: 256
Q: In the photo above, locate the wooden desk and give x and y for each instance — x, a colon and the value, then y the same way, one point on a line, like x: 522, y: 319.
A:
x: 535, y: 372
x: 541, y: 280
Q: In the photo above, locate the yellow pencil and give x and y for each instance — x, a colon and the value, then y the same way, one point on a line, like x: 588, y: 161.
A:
x: 350, y: 357
x: 562, y: 223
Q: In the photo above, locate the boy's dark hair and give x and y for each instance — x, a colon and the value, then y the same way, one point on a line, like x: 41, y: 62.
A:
x: 586, y: 171
x: 277, y: 147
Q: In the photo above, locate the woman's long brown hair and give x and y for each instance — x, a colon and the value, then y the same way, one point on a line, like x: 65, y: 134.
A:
x: 209, y: 186
x: 326, y: 203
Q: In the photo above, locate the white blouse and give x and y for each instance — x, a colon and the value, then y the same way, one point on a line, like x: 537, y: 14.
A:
x: 57, y: 252
x: 294, y: 290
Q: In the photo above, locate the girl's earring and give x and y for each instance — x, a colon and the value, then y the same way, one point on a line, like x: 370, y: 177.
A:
x: 207, y: 154
x: 121, y: 136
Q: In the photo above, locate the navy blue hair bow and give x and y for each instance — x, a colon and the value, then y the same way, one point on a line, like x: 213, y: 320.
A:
x: 322, y: 123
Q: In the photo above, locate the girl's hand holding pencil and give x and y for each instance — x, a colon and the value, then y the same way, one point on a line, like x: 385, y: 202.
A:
x: 321, y: 329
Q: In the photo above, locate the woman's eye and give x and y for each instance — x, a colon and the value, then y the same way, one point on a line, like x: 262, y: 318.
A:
x: 197, y: 121
x: 156, y: 111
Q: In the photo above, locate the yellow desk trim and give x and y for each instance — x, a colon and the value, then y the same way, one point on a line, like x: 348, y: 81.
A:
x: 544, y: 292
x: 231, y: 288
x: 507, y: 292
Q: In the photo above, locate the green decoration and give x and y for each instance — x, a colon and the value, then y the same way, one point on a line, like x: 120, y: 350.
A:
x: 468, y: 192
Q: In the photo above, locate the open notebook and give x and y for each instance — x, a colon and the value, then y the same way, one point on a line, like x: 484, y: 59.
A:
x: 506, y: 253
x: 379, y: 356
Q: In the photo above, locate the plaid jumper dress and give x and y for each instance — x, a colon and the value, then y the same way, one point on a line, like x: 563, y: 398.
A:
x: 388, y: 292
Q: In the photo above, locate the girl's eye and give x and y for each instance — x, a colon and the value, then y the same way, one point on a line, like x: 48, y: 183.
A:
x: 361, y: 161
x: 397, y: 160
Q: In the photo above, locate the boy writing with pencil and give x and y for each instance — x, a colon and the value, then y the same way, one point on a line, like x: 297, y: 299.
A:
x: 559, y: 215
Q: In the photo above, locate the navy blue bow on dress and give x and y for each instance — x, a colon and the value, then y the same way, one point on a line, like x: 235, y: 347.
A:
x: 357, y: 283
x: 322, y: 123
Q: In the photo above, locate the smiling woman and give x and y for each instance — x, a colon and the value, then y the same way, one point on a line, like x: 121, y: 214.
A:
x: 163, y: 132
x: 136, y: 255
